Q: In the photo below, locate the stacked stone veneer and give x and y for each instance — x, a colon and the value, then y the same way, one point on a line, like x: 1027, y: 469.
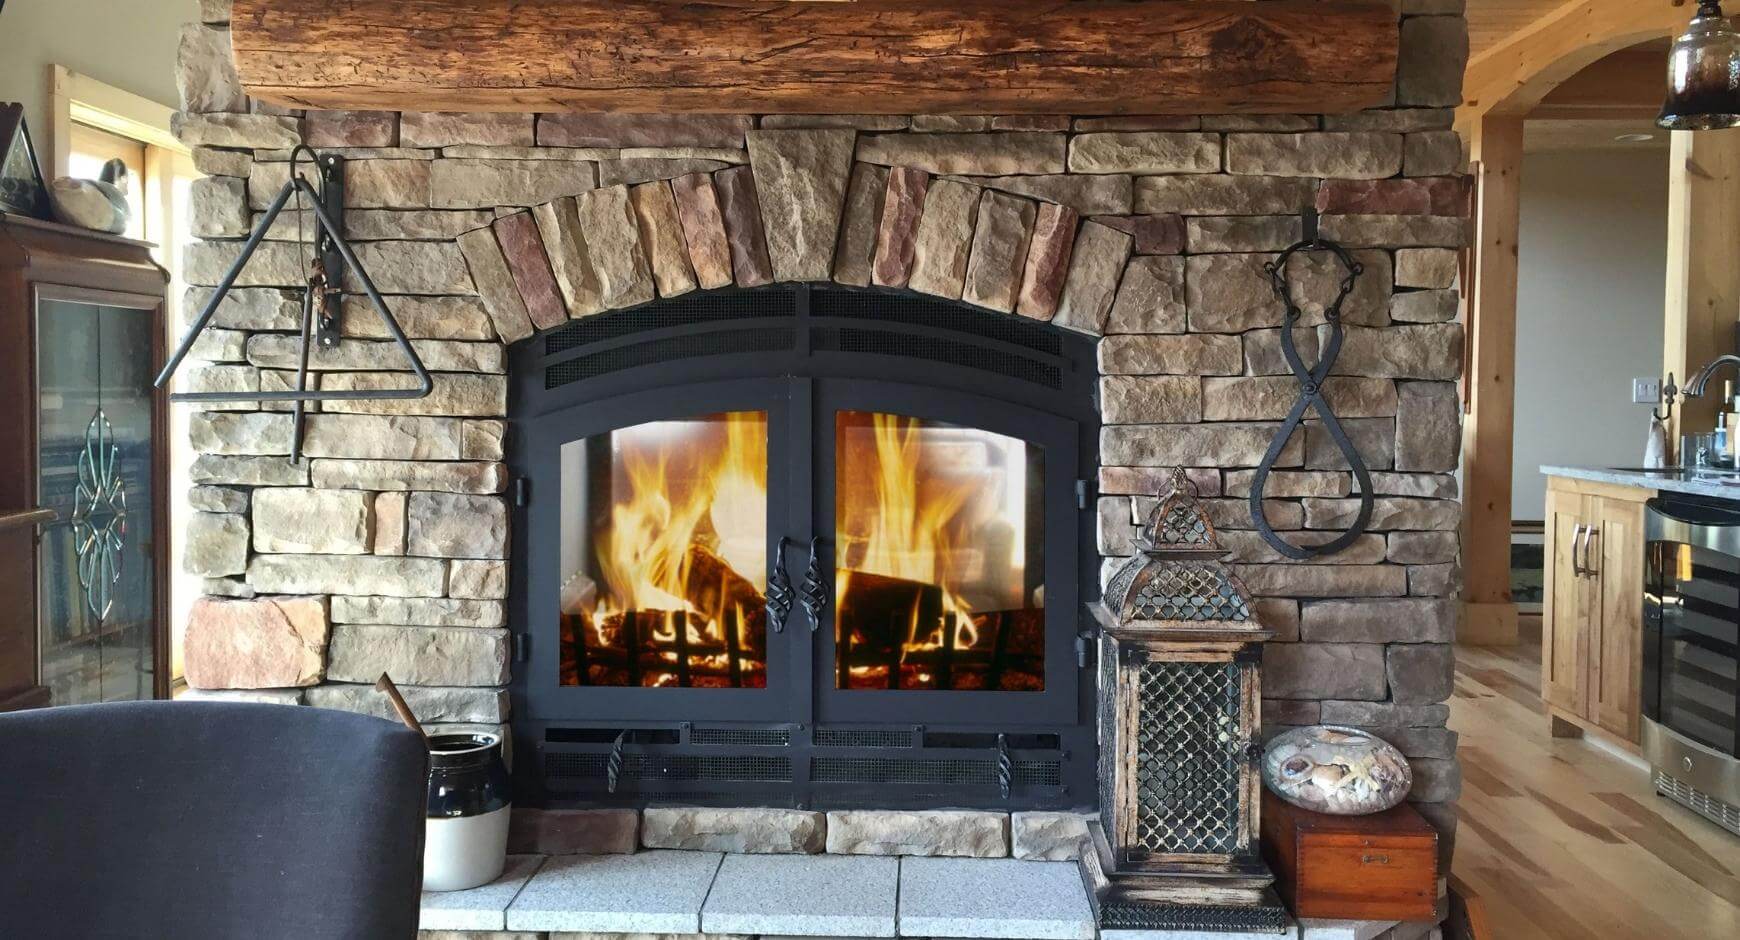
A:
x: 385, y: 549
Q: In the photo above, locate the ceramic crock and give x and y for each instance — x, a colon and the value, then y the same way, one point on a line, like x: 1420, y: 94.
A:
x: 465, y: 840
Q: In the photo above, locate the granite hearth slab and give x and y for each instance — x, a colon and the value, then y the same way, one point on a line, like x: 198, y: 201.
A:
x: 804, y: 895
x: 648, y: 892
x: 1001, y: 898
x: 481, y: 908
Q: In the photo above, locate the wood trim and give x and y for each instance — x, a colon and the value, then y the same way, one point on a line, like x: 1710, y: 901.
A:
x: 1703, y: 282
x: 76, y: 98
x: 773, y: 56
x: 1630, y: 494
x: 1511, y: 78
x: 1491, y: 381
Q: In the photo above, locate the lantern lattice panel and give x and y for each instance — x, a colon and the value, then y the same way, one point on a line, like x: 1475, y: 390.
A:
x: 1190, y: 591
x: 1188, y: 757
x: 1182, y: 524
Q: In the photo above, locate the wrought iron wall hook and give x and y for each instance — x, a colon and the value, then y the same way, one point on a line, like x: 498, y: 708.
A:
x: 329, y: 234
x: 1311, y: 398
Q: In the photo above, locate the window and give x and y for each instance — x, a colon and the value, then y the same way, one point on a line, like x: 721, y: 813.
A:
x: 93, y: 123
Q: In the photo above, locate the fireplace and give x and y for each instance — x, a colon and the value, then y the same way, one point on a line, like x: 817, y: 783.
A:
x: 804, y: 546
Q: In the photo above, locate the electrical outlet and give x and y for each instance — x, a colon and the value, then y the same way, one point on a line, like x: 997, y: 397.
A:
x: 1646, y: 391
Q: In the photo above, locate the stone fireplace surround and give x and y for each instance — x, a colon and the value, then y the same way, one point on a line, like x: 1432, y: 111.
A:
x: 386, y: 548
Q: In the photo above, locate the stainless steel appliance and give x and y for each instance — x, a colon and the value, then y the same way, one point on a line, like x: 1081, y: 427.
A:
x: 1691, y: 654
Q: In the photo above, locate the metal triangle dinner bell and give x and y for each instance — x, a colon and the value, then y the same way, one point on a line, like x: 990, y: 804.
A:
x: 331, y: 232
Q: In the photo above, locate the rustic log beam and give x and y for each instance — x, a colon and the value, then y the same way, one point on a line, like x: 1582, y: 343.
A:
x: 871, y: 56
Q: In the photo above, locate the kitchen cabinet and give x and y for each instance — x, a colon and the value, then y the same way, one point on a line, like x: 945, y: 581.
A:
x: 1592, y: 624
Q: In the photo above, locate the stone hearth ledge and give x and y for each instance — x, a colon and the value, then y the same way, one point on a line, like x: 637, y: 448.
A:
x: 676, y: 894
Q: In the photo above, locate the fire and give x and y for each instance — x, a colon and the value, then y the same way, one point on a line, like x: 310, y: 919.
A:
x: 685, y: 539
x: 907, y: 528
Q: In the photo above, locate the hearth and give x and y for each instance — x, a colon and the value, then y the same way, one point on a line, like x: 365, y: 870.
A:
x: 804, y: 546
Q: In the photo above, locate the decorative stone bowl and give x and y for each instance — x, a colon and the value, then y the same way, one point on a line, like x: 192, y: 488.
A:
x: 1337, y: 770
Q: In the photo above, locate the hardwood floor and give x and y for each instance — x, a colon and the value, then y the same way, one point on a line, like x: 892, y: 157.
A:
x: 1564, y: 839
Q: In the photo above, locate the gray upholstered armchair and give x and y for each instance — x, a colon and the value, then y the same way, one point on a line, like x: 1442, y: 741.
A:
x: 209, y: 820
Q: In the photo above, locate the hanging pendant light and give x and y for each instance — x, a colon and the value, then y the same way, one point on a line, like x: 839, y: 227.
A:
x: 1704, y: 74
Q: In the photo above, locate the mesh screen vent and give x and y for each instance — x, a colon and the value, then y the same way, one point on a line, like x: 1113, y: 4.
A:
x: 743, y: 737
x: 1187, y: 757
x: 1268, y: 917
x: 939, y: 350
x: 766, y: 339
x: 863, y: 737
x: 676, y: 767
x: 683, y: 311
x: 907, y: 770
x: 920, y: 311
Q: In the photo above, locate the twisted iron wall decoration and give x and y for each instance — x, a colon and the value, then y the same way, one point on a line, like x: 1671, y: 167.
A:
x: 99, y: 516
x: 1311, y: 397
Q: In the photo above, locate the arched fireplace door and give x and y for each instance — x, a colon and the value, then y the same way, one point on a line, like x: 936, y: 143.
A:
x: 921, y: 469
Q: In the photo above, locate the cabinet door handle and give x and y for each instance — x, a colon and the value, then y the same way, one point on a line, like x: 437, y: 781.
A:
x: 1589, y: 538
x: 1577, y: 548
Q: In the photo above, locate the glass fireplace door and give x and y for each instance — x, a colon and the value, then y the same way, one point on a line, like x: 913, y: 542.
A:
x: 650, y: 568
x: 939, y: 518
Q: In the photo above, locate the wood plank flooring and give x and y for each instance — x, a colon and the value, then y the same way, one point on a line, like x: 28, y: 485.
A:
x: 1564, y: 839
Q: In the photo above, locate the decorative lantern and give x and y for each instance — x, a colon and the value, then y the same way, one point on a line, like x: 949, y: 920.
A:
x: 1704, y: 74
x: 1175, y: 846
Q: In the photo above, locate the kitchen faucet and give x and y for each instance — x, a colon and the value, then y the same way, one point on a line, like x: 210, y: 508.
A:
x: 1695, y: 388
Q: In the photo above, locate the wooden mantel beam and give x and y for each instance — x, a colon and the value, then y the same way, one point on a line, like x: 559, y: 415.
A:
x: 871, y: 56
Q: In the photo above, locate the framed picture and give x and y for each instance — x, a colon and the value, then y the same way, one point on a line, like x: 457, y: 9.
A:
x: 21, y: 187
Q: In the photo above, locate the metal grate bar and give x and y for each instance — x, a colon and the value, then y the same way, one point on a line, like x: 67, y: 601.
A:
x: 742, y: 737
x: 920, y: 771
x: 681, y: 311
x: 765, y: 339
x: 882, y: 343
x: 863, y: 737
x: 922, y: 311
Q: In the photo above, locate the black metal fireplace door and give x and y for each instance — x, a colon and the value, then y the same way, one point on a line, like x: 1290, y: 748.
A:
x: 803, y: 546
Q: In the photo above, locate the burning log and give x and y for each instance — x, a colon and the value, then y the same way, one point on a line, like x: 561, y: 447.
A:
x: 711, y: 586
x: 878, y: 617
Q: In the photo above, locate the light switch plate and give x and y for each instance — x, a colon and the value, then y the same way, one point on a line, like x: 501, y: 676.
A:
x: 1646, y: 391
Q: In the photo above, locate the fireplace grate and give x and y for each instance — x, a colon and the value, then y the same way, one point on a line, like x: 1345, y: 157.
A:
x: 863, y: 737
x: 920, y: 311
x: 741, y: 737
x: 668, y: 314
x: 936, y: 349
x: 677, y: 767
x: 687, y: 346
x: 1033, y: 773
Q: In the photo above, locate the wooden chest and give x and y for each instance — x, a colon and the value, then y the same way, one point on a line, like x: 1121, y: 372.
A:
x: 1379, y: 867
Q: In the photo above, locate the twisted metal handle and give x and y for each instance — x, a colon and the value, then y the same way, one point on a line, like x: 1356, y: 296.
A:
x: 1005, y: 767
x: 814, y: 593
x: 779, y: 592
x: 613, y: 764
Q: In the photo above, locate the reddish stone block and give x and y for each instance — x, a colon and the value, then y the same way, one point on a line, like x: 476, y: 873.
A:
x: 742, y: 210
x: 897, y: 235
x: 1047, y: 261
x: 703, y: 229
x: 523, y: 248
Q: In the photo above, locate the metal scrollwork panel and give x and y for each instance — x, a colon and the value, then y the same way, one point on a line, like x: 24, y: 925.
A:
x: 99, y: 517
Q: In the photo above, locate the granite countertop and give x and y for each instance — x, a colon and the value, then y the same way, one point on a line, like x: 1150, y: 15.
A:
x: 1722, y: 484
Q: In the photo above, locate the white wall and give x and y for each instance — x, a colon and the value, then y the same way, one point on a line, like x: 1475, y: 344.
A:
x: 1589, y: 311
x: 129, y: 44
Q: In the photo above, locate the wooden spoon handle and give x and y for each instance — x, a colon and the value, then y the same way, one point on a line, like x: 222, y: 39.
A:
x: 385, y: 684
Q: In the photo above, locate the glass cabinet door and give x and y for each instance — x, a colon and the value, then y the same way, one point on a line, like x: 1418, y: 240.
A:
x: 97, y: 584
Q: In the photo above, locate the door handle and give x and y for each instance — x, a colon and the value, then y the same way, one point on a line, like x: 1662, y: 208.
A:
x: 1576, y: 549
x: 813, y: 595
x: 779, y: 591
x: 27, y: 517
x: 1589, y: 538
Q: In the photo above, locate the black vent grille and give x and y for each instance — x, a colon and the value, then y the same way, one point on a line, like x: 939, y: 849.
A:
x: 741, y: 737
x: 725, y: 342
x: 676, y: 767
x: 910, y: 770
x: 921, y: 311
x: 681, y: 311
x: 972, y: 356
x: 863, y: 737
x: 1267, y: 917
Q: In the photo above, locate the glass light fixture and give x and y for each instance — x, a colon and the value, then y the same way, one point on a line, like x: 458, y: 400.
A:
x: 1704, y: 74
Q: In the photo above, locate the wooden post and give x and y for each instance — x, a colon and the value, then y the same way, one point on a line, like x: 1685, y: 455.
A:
x: 1489, y: 613
x: 1703, y: 281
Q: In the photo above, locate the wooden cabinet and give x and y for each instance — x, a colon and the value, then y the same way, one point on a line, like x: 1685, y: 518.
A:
x: 1592, y: 625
